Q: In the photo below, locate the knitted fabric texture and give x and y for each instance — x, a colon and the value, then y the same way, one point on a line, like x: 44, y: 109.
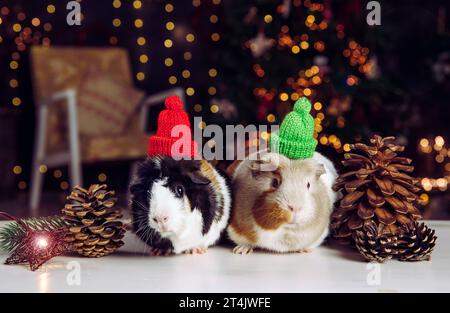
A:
x: 295, y: 138
x: 166, y: 137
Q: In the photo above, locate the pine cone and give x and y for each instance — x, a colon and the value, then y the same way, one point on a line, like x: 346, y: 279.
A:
x: 95, y: 229
x: 376, y: 188
x: 417, y: 243
x: 373, y: 246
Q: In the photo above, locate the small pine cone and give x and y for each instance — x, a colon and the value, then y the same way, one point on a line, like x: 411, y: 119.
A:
x: 95, y: 229
x: 374, y: 247
x: 416, y: 244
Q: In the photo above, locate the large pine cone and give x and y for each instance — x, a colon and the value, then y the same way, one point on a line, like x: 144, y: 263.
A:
x: 95, y: 229
x: 376, y: 188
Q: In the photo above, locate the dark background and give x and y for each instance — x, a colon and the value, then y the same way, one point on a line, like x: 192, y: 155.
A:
x: 403, y: 91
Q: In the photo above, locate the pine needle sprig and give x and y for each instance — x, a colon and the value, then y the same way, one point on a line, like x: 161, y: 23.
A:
x: 12, y: 234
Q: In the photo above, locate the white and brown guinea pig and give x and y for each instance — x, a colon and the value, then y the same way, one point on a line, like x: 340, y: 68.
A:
x: 179, y: 205
x: 283, y: 207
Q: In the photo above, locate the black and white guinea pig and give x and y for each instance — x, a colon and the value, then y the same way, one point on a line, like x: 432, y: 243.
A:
x: 179, y: 205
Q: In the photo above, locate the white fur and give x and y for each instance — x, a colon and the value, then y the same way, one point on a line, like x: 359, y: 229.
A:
x: 184, y: 227
x: 310, y: 225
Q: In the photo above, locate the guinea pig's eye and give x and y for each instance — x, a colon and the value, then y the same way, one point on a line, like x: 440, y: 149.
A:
x: 308, y: 185
x: 179, y: 190
x: 275, y: 183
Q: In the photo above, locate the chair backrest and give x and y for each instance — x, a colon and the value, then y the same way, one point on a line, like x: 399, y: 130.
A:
x: 58, y: 68
x: 55, y: 69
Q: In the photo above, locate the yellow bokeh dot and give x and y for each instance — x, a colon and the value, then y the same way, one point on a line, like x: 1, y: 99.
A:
x: 196, y: 3
x: 172, y: 80
x: 57, y: 173
x: 1, y: 21
x: 197, y: 107
x: 35, y: 22
x: 13, y: 83
x: 212, y: 91
x: 315, y: 69
x: 190, y: 91
x: 168, y: 62
x: 271, y: 118
x: 295, y: 49
x: 187, y: 55
x: 294, y: 96
x: 102, y: 177
x: 43, y: 168
x: 22, y: 185
x: 143, y: 58
x: 190, y: 37
x: 13, y: 65
x: 51, y: 8
x: 214, y: 108
x: 168, y: 43
x: 186, y: 74
x: 201, y: 125
x: 170, y: 25
x: 213, y: 18
x: 216, y: 2
x: 284, y: 96
x: 116, y: 4
x: 320, y: 116
x: 137, y: 4
x: 265, y: 135
x: 268, y: 18
x: 16, y: 101
x: 168, y: 7
x: 17, y: 27
x: 304, y: 45
x: 212, y: 72
x: 307, y: 92
x: 317, y: 106
x: 138, y: 23
x: 310, y: 19
x: 140, y: 76
x: 215, y: 37
x: 141, y: 41
x: 346, y: 147
x: 64, y: 185
x: 323, y: 140
x: 17, y: 169
x: 116, y: 22
x: 316, y: 80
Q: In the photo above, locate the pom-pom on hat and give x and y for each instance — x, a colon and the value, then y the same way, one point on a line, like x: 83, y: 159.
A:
x: 166, y: 137
x: 295, y: 138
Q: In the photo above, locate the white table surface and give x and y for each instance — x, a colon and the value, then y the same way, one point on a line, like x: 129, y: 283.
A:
x: 324, y: 270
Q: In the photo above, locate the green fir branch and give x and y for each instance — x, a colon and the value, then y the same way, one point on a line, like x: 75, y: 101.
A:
x: 12, y: 233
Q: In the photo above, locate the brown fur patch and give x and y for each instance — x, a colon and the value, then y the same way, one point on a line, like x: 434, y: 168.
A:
x: 243, y: 228
x: 207, y: 170
x: 232, y: 167
x: 268, y: 215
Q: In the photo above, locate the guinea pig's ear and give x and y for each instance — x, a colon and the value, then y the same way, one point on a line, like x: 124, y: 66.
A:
x: 146, y: 173
x: 320, y: 170
x: 266, y: 163
x: 197, y: 178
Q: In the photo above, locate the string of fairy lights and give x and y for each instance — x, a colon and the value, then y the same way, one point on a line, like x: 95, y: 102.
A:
x: 34, y: 30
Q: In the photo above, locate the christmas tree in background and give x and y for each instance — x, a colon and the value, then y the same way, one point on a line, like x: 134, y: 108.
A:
x: 390, y: 79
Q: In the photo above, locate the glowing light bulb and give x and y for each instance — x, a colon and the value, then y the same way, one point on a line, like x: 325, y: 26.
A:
x: 42, y: 243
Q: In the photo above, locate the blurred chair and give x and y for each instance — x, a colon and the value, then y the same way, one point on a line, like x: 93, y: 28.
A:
x: 87, y: 111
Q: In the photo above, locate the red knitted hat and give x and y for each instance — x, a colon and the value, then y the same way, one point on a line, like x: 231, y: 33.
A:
x: 162, y: 142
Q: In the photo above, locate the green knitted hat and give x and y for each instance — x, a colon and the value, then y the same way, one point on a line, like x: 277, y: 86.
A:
x: 295, y: 138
